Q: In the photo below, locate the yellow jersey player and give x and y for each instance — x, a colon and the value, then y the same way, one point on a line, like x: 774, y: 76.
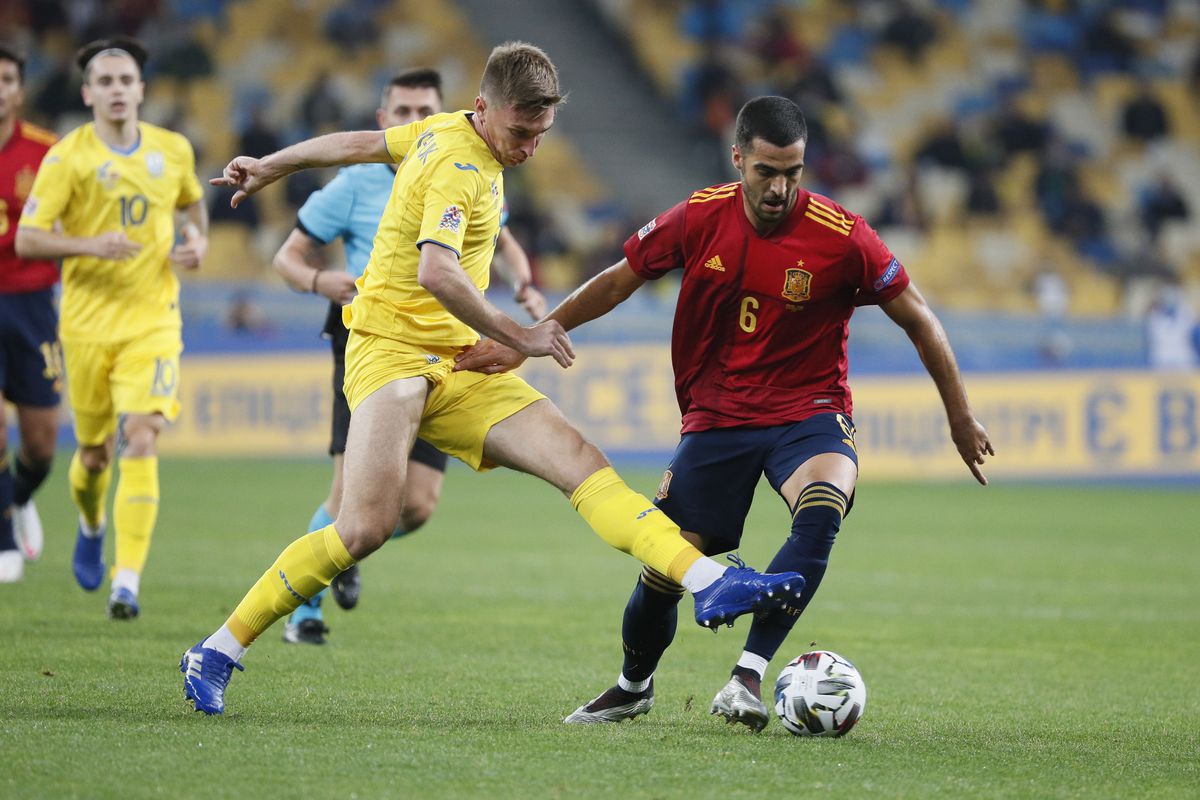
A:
x: 107, y: 201
x: 420, y: 302
x: 349, y: 208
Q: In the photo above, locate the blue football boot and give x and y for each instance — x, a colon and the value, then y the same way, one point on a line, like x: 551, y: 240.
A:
x: 122, y: 604
x: 206, y: 673
x: 742, y: 590
x: 88, y: 561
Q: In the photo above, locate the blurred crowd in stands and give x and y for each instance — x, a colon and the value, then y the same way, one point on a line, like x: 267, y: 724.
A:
x: 1024, y: 155
x: 1084, y: 112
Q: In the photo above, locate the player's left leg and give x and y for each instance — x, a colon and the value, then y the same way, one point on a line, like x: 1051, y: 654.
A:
x: 135, y: 508
x: 38, y: 427
x: 814, y: 468
x: 12, y: 563
x: 145, y: 381
x: 537, y: 439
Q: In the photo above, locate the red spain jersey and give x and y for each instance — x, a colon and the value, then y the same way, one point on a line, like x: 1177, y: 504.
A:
x: 761, y: 321
x: 19, y: 161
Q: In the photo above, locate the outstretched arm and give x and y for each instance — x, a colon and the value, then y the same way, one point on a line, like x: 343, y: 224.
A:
x: 593, y: 299
x: 910, y: 311
x: 249, y: 175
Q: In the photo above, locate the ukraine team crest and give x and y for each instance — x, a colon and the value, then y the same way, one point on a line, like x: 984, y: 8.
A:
x: 155, y: 164
x: 797, y: 285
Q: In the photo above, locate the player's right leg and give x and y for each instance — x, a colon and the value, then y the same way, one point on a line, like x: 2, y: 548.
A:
x: 382, y: 431
x: 89, y: 393
x: 647, y: 630
x: 306, y: 625
x: 347, y: 586
x: 707, y: 489
x: 538, y: 440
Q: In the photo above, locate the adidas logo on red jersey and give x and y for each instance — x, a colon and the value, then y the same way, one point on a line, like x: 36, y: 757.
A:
x: 715, y: 263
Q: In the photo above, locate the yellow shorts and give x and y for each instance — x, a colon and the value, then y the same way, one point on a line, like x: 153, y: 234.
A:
x: 461, y: 407
x: 106, y: 379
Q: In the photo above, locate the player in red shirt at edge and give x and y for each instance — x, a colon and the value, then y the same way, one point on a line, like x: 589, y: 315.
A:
x: 30, y: 358
x: 771, y: 276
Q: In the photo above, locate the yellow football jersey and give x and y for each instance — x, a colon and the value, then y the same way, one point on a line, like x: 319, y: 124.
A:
x: 93, y: 189
x: 449, y: 190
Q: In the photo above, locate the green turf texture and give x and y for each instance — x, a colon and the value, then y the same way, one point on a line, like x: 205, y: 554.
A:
x: 1017, y: 641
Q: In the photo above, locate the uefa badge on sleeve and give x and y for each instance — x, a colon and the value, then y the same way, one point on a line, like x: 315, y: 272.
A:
x: 451, y: 219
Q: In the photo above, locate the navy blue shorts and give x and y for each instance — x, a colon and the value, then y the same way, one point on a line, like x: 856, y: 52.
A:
x: 31, y: 363
x: 423, y: 452
x: 710, y: 482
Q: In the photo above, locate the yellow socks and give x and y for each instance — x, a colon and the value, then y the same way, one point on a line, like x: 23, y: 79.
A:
x: 135, y: 510
x: 88, y: 490
x: 632, y: 524
x: 302, y: 570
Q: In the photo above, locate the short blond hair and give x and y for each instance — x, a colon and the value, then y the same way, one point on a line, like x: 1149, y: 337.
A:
x: 522, y: 76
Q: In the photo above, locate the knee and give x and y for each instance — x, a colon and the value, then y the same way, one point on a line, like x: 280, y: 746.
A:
x: 587, y: 461
x: 363, y: 535
x: 37, y: 451
x: 39, y: 435
x: 418, y: 510
x: 141, y: 438
x: 94, y: 458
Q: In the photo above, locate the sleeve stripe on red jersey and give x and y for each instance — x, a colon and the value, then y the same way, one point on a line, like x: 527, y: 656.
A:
x: 712, y: 192
x: 823, y: 214
x: 830, y: 225
x: 714, y: 197
x: 36, y: 134
x: 819, y: 208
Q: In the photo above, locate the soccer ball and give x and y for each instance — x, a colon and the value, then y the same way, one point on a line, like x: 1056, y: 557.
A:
x: 819, y: 694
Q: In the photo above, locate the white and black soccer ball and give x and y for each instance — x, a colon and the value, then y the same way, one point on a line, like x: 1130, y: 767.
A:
x: 820, y: 694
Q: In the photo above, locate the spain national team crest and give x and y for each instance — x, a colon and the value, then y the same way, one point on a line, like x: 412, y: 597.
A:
x: 664, y: 488
x: 797, y: 285
x: 23, y: 182
x: 451, y: 219
x: 156, y: 164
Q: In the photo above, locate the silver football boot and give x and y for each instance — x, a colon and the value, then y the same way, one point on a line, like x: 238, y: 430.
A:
x: 613, y: 705
x: 736, y: 703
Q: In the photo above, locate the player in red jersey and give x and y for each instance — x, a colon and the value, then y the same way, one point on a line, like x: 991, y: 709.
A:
x: 771, y: 275
x: 30, y: 359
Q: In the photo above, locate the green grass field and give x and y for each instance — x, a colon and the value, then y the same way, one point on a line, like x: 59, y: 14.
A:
x: 1016, y: 641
